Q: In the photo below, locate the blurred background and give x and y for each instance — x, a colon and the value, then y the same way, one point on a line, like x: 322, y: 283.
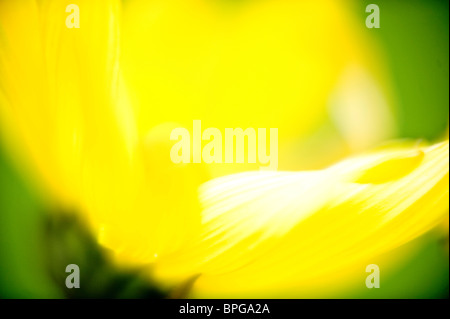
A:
x: 411, y: 49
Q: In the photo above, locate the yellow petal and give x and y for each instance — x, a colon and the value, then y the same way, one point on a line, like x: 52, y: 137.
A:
x: 269, y: 233
x: 57, y: 101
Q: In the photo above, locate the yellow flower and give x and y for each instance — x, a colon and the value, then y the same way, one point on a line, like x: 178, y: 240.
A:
x: 89, y: 112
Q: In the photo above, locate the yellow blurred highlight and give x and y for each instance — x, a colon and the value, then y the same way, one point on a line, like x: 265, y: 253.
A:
x: 306, y: 233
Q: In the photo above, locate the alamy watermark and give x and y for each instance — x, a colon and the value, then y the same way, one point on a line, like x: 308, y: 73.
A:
x: 73, y: 279
x: 229, y: 150
x: 73, y: 19
x: 373, y: 280
x: 373, y: 19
